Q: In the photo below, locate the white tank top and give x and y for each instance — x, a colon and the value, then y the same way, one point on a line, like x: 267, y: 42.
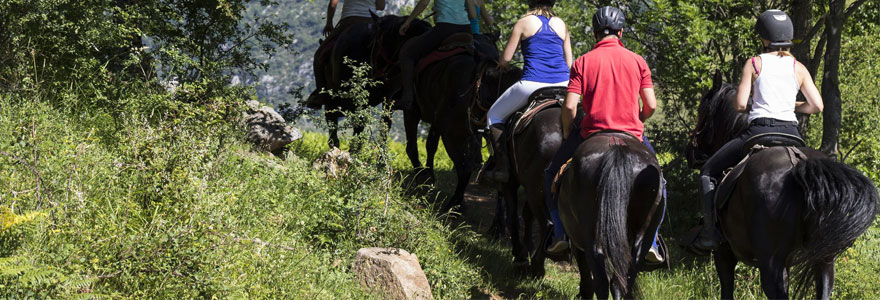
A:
x: 357, y: 8
x: 775, y: 90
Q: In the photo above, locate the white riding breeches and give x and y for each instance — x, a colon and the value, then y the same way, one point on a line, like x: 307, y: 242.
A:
x: 514, y: 98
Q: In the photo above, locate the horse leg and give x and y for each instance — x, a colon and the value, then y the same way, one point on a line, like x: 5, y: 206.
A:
x: 411, y: 127
x: 725, y: 265
x: 586, y: 284
x: 823, y: 272
x: 499, y: 221
x: 537, y: 260
x: 773, y: 277
x: 520, y: 255
x: 332, y: 118
x: 460, y: 163
x: 431, y: 144
x: 596, y: 263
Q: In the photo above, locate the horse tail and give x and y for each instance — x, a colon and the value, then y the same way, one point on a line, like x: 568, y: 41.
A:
x: 615, y: 184
x: 841, y: 204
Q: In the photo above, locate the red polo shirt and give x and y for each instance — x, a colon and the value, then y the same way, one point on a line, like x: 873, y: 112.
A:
x: 609, y: 79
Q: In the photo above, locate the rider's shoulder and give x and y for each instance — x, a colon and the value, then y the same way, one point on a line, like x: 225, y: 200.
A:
x: 557, y: 20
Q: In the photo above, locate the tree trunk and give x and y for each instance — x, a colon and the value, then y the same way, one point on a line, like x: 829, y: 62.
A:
x: 830, y: 84
x: 802, y: 19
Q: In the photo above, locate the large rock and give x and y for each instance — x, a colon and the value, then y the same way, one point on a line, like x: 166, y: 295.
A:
x: 334, y: 163
x: 267, y: 130
x: 394, y: 272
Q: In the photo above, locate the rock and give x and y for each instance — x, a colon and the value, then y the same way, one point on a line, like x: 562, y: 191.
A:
x: 267, y: 130
x: 333, y: 163
x: 394, y: 272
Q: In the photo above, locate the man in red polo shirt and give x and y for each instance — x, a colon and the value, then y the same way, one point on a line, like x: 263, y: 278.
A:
x: 609, y: 79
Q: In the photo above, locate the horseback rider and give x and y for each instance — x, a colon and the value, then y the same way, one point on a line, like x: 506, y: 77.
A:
x: 546, y: 48
x: 480, y: 11
x: 777, y: 77
x: 610, y: 78
x: 451, y: 17
x: 353, y: 12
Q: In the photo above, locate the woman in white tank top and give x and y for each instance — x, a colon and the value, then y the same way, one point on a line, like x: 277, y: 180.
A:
x: 773, y: 79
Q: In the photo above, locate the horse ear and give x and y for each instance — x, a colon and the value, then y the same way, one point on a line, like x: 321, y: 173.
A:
x: 717, y: 80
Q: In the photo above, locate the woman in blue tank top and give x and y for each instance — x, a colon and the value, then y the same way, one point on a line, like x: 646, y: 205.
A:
x: 546, y: 50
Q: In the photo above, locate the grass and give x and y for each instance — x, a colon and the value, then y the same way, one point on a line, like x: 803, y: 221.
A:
x: 133, y: 208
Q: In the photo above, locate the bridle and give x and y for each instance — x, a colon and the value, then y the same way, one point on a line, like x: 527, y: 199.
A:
x: 378, y: 54
x: 479, y: 119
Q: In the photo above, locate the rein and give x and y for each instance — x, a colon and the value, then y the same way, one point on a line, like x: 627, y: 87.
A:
x: 378, y: 52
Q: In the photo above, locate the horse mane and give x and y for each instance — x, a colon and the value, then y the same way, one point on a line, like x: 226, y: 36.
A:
x: 716, y: 109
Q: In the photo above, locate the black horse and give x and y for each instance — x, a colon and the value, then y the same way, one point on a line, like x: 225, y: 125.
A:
x: 610, y: 203
x: 782, y: 214
x: 354, y: 43
x: 444, y: 94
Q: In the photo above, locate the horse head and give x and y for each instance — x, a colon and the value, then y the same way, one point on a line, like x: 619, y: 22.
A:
x: 490, y: 83
x: 717, y: 122
x: 386, y: 43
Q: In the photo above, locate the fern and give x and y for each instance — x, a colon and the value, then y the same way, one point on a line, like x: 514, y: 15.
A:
x: 19, y: 271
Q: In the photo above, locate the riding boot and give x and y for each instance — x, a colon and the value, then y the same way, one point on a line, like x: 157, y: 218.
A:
x: 495, y: 171
x: 709, y: 237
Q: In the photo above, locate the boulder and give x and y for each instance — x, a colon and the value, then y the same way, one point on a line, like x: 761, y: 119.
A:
x: 267, y: 130
x: 333, y: 163
x: 394, y: 272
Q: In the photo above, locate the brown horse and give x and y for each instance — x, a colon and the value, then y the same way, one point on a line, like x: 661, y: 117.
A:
x: 782, y: 213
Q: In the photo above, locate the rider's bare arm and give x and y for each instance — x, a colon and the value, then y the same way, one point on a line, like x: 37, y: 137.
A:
x: 745, y: 87
x: 420, y: 7
x: 380, y: 4
x: 649, y: 103
x: 484, y: 13
x: 566, y: 48
x: 331, y: 10
x: 811, y: 93
x: 569, y: 110
x: 472, y: 12
x: 512, y: 43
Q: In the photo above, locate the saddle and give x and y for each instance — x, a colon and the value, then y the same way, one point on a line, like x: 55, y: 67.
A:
x: 754, y: 145
x: 539, y: 100
x: 326, y: 47
x: 455, y: 44
x: 619, y: 135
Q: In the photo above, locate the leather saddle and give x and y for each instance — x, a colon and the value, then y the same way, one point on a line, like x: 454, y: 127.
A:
x: 618, y: 137
x: 539, y: 100
x: 754, y: 145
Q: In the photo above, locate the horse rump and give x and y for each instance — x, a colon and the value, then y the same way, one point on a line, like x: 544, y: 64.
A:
x: 840, y: 205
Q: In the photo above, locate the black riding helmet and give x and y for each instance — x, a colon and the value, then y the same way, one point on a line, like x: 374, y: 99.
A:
x: 775, y: 26
x: 608, y: 20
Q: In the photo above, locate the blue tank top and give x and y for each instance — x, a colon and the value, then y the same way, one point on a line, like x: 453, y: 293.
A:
x: 475, y: 22
x: 543, y: 55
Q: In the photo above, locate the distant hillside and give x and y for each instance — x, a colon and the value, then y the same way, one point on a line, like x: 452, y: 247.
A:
x: 291, y: 67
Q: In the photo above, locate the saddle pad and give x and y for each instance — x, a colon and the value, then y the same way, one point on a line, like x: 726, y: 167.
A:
x: 438, y: 55
x: 728, y: 183
x: 456, y: 40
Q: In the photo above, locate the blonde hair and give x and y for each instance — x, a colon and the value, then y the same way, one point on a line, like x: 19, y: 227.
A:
x: 542, y: 10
